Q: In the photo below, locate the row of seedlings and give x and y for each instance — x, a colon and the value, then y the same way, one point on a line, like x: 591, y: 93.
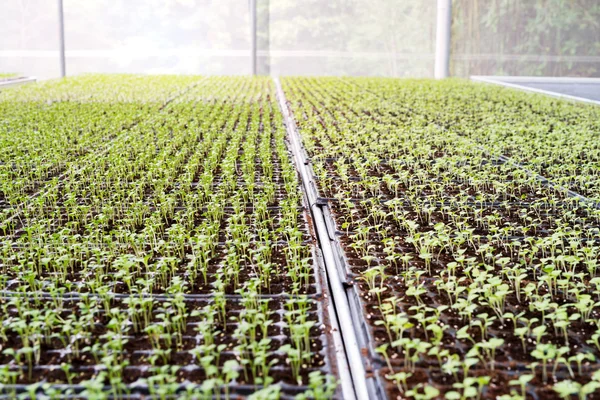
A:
x: 41, y: 136
x: 176, y: 263
x: 477, y: 279
x: 551, y: 137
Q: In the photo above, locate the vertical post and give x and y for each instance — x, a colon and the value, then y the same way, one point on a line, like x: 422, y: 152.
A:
x: 253, y: 35
x: 61, y: 33
x: 442, y: 41
x: 263, y: 21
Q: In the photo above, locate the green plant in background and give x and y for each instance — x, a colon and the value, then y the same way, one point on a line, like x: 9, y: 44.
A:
x: 488, y: 38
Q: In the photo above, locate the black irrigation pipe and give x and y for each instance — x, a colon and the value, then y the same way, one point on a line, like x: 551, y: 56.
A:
x: 95, y: 246
x: 66, y: 296
x: 403, y: 200
x: 142, y: 392
x: 75, y: 296
x: 350, y: 318
x: 547, y: 182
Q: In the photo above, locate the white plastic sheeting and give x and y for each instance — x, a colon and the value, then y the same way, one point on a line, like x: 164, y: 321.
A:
x: 310, y: 37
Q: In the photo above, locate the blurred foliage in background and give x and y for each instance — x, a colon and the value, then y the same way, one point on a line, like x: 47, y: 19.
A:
x: 310, y: 37
x: 526, y: 37
x: 352, y: 37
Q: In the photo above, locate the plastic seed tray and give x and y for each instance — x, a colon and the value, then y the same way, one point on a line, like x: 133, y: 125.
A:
x: 381, y: 211
x: 174, y: 260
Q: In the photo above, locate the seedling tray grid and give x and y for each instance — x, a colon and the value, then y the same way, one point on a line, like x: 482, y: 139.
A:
x: 244, y: 202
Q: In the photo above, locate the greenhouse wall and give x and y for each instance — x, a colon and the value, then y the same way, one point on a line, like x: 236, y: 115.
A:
x: 352, y: 37
x: 29, y: 37
x: 338, y: 37
x: 158, y: 36
x: 127, y: 36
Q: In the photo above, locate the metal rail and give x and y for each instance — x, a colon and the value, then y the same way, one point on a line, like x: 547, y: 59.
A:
x: 442, y: 41
x: 61, y: 39
x: 517, y: 83
x: 351, y: 364
x: 17, y: 81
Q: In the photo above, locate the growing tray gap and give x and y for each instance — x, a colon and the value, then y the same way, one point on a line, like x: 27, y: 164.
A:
x: 363, y: 383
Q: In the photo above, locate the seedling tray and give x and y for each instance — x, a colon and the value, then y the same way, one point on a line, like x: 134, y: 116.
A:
x: 334, y: 125
x: 205, y: 185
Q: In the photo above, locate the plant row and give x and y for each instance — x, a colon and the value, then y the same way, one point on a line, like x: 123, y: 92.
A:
x: 40, y: 139
x: 176, y: 261
x: 478, y: 279
x: 554, y: 138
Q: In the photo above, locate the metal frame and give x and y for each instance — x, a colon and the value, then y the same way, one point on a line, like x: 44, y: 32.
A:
x: 253, y: 46
x: 442, y: 52
x: 61, y: 37
x: 17, y: 82
x: 442, y: 40
x: 515, y: 82
x: 350, y: 361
